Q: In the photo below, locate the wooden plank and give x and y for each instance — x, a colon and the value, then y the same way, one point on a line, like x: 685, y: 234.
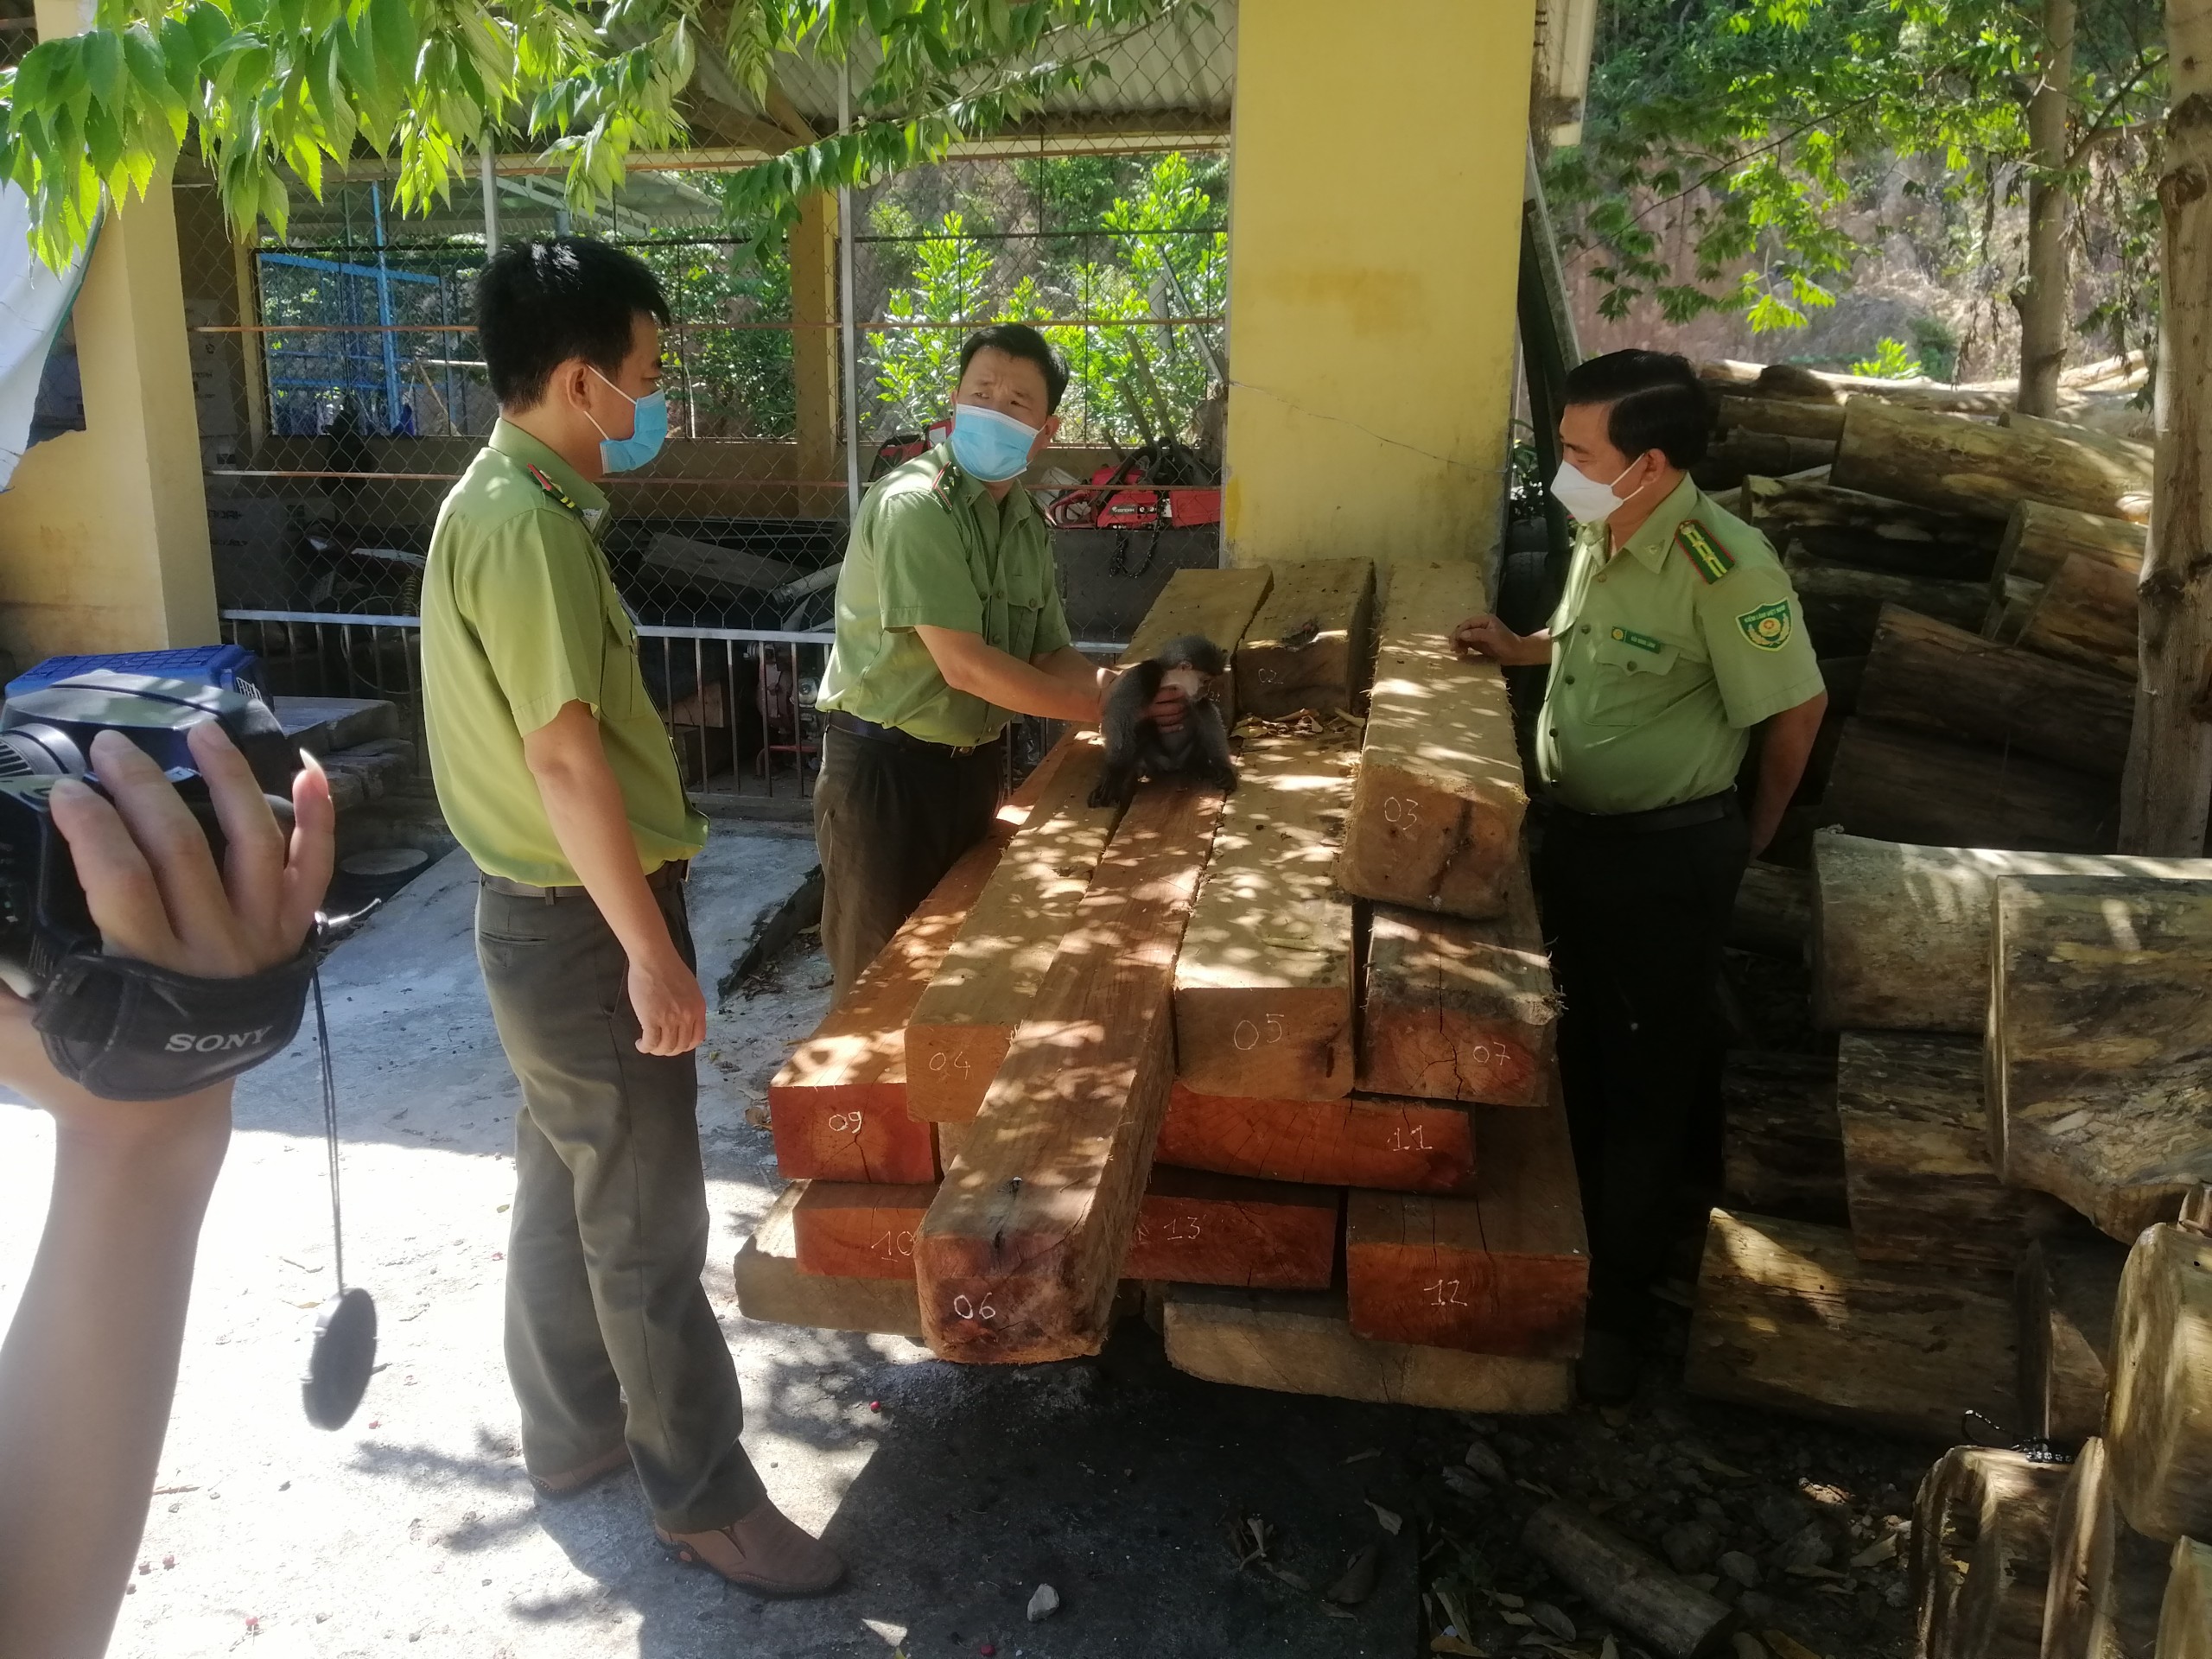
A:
x: 2158, y: 1425
x: 2099, y: 1016
x: 1457, y: 1009
x: 1894, y: 784
x: 2185, y: 1615
x: 1020, y: 1254
x: 1217, y: 604
x: 1506, y: 1271
x: 1191, y: 1228
x: 1217, y: 1229
x: 1437, y: 806
x: 2066, y: 1292
x: 857, y: 1229
x: 838, y: 1106
x: 1263, y: 986
x: 1789, y: 1318
x: 771, y: 1288
x: 1294, y: 1341
x: 1308, y: 645
x: 1900, y: 931
x: 1781, y: 1147
x: 2106, y: 1578
x: 1916, y: 1150
x: 959, y: 1032
x: 1405, y: 1146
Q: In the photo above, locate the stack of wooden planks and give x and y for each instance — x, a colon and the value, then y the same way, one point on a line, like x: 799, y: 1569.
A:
x: 1285, y: 1057
x: 1968, y: 576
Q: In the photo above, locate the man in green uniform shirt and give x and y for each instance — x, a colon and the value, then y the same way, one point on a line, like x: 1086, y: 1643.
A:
x: 949, y: 625
x: 1677, y: 638
x: 556, y: 773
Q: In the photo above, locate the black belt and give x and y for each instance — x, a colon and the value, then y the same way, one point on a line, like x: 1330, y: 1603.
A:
x: 854, y: 726
x: 674, y: 874
x: 1709, y: 808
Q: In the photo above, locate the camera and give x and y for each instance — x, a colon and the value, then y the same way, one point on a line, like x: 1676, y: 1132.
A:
x: 46, y: 735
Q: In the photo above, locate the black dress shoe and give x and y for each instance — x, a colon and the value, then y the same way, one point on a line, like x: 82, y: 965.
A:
x: 1610, y: 1366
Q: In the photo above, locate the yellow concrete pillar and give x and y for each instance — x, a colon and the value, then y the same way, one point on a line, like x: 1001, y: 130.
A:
x: 1374, y: 215
x: 103, y: 533
x: 814, y: 339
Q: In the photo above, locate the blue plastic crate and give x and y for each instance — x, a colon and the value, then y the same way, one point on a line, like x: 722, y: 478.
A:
x: 231, y: 667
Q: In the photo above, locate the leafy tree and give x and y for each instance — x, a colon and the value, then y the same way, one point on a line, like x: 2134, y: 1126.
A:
x: 274, y: 89
x: 1752, y: 129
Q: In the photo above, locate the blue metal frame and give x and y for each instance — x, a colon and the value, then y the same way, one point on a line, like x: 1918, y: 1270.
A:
x: 383, y: 276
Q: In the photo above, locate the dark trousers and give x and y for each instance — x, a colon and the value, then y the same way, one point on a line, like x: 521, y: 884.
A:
x: 890, y: 819
x: 1635, y: 924
x: 610, y: 1335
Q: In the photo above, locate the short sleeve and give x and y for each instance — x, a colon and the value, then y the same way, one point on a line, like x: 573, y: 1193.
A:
x: 1754, y: 629
x: 922, y: 572
x: 537, y: 605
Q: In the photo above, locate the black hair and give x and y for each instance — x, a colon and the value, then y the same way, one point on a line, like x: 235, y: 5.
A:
x: 1019, y: 339
x: 539, y: 303
x: 1657, y: 403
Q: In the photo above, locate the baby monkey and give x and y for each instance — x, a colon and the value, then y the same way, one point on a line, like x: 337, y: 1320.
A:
x: 1136, y: 746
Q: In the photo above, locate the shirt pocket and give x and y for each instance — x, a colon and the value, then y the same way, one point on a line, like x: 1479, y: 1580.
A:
x: 1635, y: 679
x: 1022, y: 591
x: 621, y: 690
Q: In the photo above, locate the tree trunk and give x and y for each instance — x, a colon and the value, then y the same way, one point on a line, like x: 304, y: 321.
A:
x: 1790, y: 1320
x: 1971, y: 466
x: 1922, y: 673
x: 1981, y: 1554
x: 2169, y: 763
x: 2106, y: 1578
x: 1901, y: 933
x: 1903, y: 785
x: 1774, y: 911
x: 1870, y: 530
x: 2159, y: 1427
x: 2045, y: 299
x: 2185, y: 1616
x: 2038, y: 536
x: 2086, y: 615
x: 1781, y: 1148
x: 2099, y: 1022
x: 1841, y: 605
x: 2065, y: 1290
x: 1915, y: 1155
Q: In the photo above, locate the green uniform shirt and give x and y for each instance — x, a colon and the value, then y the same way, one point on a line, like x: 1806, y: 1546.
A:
x: 1664, y: 656
x: 931, y: 549
x: 519, y: 618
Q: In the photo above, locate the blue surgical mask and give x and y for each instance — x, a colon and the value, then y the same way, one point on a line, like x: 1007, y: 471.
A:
x: 990, y: 446
x: 648, y: 431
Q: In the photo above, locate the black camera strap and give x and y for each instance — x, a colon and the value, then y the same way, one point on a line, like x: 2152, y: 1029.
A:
x: 129, y: 1030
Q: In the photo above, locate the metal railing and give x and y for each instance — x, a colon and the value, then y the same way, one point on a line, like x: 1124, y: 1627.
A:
x: 738, y: 702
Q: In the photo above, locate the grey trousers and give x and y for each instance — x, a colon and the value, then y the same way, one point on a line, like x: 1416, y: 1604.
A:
x: 610, y: 1337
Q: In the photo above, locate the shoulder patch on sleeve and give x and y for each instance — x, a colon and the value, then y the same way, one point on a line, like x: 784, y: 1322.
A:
x: 1768, y: 626
x: 1706, y: 557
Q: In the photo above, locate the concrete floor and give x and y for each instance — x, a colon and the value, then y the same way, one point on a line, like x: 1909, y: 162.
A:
x: 953, y: 1491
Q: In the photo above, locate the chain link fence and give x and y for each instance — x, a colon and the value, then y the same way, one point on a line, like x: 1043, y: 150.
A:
x: 341, y: 393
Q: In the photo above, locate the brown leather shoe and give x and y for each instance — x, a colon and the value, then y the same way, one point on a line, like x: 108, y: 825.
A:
x: 575, y: 1480
x: 764, y: 1553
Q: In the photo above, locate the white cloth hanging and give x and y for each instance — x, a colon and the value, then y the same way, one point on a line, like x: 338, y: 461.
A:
x: 34, y: 304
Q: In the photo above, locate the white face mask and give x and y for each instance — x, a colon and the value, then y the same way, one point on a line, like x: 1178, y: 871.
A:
x: 1591, y: 502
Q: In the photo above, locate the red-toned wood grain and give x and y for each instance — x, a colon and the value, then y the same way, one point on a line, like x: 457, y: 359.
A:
x: 1403, y: 1146
x: 1506, y: 1271
x: 1195, y: 1228
x: 837, y: 1108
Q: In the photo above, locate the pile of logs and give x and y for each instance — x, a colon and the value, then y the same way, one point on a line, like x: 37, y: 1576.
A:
x: 1968, y: 576
x: 1279, y: 1064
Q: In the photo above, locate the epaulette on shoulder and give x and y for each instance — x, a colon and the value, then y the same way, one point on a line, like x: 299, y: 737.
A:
x: 1706, y: 557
